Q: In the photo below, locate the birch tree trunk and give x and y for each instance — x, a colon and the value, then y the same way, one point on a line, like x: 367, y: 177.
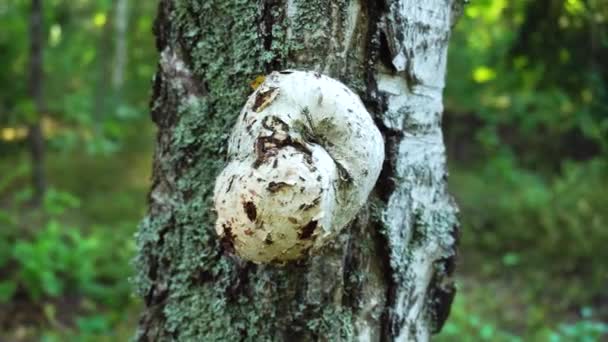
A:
x: 121, y: 24
x: 387, y: 276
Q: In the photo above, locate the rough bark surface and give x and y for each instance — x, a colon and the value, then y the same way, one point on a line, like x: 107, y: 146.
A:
x: 387, y: 276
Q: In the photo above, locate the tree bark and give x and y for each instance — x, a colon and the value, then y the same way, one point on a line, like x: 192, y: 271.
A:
x: 36, y: 77
x: 387, y: 276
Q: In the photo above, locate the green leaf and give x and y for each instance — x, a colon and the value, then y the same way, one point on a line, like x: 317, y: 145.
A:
x: 7, y: 290
x: 93, y: 324
x: 510, y: 259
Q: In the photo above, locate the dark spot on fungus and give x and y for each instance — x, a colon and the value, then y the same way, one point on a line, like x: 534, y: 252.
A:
x: 230, y: 184
x: 314, y: 203
x: 307, y: 231
x: 276, y: 186
x: 344, y: 174
x: 273, y: 123
x: 292, y: 220
x: 268, y: 239
x: 264, y: 98
x: 267, y: 147
x: 250, y: 210
x: 227, y: 240
x: 248, y: 127
x: 308, y: 160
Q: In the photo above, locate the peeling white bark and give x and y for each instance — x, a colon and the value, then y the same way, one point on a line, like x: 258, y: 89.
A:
x: 418, y: 33
x: 353, y: 15
x: 304, y: 156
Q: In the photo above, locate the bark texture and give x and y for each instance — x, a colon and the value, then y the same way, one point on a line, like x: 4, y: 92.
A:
x: 387, y: 276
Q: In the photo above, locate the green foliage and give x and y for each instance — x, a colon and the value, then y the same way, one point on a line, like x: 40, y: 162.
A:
x: 58, y: 259
x: 527, y: 129
x: 65, y: 266
x: 77, y: 247
x: 468, y: 324
x: 566, y: 208
x: 544, y: 98
x: 79, y: 46
x: 54, y: 262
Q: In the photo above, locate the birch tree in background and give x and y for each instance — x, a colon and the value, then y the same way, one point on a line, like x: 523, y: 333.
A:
x: 121, y: 25
x: 387, y: 277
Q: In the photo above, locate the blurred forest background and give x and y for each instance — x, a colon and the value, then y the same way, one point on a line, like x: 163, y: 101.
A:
x: 526, y: 124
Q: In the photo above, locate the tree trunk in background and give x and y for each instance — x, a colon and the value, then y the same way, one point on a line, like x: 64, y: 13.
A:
x: 121, y: 22
x: 36, y: 77
x: 104, y: 90
x: 387, y: 277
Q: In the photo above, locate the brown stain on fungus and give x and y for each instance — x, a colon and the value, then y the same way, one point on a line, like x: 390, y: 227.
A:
x: 307, y: 231
x: 314, y: 203
x: 250, y: 210
x: 274, y: 123
x: 230, y: 184
x: 264, y: 98
x: 227, y: 240
x: 276, y: 186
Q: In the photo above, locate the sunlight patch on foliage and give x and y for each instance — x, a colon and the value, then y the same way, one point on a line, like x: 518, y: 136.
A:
x: 99, y: 19
x: 55, y: 35
x: 483, y: 74
x: 13, y: 133
x: 575, y: 7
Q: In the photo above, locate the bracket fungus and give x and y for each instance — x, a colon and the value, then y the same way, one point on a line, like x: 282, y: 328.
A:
x: 302, y: 159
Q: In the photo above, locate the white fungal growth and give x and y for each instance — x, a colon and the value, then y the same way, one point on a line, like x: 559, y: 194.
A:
x: 303, y: 158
